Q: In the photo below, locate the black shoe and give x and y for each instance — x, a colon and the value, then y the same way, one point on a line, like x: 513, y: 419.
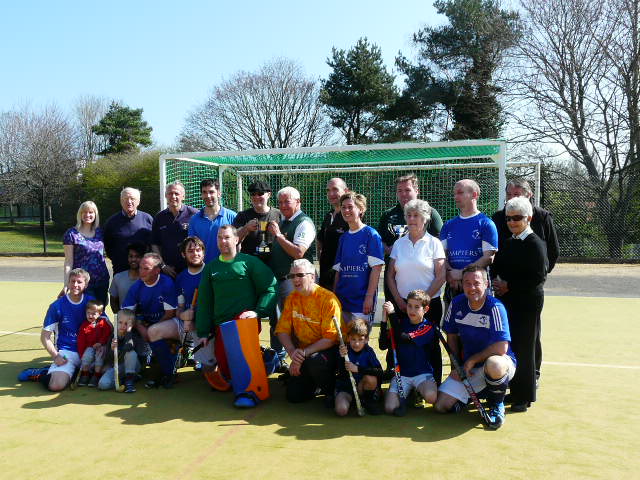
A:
x: 329, y: 401
x: 401, y: 410
x: 129, y: 385
x: 371, y: 403
x: 520, y: 407
x: 166, y: 381
x: 387, y: 375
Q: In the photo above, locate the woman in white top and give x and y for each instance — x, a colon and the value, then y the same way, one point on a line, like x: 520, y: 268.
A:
x: 417, y: 262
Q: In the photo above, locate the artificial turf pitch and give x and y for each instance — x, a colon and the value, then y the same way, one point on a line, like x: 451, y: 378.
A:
x: 585, y: 423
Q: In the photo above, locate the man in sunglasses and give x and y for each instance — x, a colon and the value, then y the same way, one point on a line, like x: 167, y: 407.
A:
x: 308, y: 334
x: 257, y: 240
x: 250, y: 222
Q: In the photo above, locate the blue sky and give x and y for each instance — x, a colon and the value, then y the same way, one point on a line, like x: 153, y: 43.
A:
x: 165, y: 56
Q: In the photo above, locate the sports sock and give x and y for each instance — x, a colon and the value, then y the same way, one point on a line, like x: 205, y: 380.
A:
x: 45, y: 379
x: 163, y: 355
x: 496, y: 389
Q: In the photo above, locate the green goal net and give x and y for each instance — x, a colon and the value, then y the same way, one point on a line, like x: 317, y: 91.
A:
x: 367, y: 169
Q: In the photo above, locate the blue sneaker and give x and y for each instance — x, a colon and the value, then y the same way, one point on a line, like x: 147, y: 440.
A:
x: 496, y: 416
x: 32, y: 374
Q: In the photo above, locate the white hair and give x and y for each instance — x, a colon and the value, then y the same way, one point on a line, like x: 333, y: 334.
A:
x: 305, y: 264
x: 421, y: 207
x: 520, y: 205
x: 130, y: 191
x: 289, y: 192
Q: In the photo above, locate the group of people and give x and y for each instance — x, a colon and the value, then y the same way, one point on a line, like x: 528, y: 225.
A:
x: 186, y: 272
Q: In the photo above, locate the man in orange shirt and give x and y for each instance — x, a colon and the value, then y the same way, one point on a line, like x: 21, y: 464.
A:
x: 308, y: 334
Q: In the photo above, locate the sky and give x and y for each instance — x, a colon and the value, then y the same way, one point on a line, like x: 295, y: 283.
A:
x: 166, y: 56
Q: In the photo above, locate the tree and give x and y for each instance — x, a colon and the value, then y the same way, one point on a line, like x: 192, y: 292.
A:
x: 88, y: 110
x: 38, y: 155
x: 454, y: 82
x: 358, y: 92
x: 578, y: 88
x: 275, y: 107
x: 123, y: 129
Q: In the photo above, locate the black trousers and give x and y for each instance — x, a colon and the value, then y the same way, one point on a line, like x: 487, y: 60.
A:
x: 318, y: 371
x: 524, y: 327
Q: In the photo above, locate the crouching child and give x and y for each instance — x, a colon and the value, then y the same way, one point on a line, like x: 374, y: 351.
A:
x: 361, y: 361
x: 411, y: 334
x: 127, y: 362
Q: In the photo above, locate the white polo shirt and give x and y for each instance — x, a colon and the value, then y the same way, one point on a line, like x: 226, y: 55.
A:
x: 414, y: 263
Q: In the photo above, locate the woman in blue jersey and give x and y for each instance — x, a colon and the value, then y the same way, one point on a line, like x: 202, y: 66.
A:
x: 358, y: 263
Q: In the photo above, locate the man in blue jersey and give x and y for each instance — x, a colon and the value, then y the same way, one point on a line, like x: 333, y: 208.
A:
x: 478, y: 334
x: 210, y: 218
x: 64, y: 317
x: 471, y: 238
x: 153, y: 298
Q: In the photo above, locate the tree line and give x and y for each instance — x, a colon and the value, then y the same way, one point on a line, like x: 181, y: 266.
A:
x: 560, y: 79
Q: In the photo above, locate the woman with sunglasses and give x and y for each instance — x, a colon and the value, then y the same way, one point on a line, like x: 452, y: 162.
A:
x: 520, y: 270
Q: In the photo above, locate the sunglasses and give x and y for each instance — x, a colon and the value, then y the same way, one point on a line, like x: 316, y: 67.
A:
x: 514, y: 218
x: 299, y: 275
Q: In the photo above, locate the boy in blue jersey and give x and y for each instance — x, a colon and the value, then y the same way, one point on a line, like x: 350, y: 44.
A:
x: 187, y: 281
x: 359, y: 359
x: 64, y: 318
x: 478, y: 333
x: 471, y: 238
x: 358, y: 263
x: 412, y: 333
x: 153, y: 299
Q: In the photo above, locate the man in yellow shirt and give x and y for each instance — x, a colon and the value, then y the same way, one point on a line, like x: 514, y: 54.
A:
x: 308, y: 334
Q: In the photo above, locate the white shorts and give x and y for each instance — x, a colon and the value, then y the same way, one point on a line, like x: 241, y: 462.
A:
x: 73, y: 362
x: 348, y: 317
x: 455, y: 388
x: 409, y: 383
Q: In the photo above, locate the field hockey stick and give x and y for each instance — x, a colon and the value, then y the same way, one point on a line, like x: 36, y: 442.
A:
x: 116, y: 360
x: 463, y: 376
x: 182, y: 348
x: 353, y: 381
x: 396, y: 365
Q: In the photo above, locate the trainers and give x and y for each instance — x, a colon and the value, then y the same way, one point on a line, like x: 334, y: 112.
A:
x: 93, y: 382
x: 32, y: 374
x: 129, y: 386
x: 84, y: 380
x: 401, y: 410
x: 458, y: 407
x: 496, y: 416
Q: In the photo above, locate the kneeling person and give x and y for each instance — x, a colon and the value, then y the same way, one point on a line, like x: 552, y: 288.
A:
x: 361, y: 361
x: 479, y: 322
x: 64, y: 317
x: 153, y: 299
x: 412, y: 333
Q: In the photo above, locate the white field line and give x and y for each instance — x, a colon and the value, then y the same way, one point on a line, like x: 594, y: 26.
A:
x: 596, y: 365
x: 6, y: 332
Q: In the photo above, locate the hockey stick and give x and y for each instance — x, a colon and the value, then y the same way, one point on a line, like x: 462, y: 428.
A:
x: 181, y: 356
x: 396, y: 365
x: 353, y: 381
x: 463, y: 376
x: 116, y: 361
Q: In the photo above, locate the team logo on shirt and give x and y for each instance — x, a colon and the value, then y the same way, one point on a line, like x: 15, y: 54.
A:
x: 185, y: 226
x: 362, y: 249
x: 476, y: 234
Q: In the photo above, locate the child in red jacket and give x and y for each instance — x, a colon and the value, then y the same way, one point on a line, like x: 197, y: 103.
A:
x: 93, y: 336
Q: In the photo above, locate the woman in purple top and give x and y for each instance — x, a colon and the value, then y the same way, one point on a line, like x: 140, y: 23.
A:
x: 84, y: 248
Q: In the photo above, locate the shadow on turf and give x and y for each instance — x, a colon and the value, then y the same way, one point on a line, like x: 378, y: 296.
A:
x: 192, y: 400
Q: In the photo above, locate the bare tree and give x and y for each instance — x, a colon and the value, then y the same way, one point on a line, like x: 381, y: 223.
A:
x: 88, y: 110
x: 578, y: 89
x: 276, y: 107
x: 38, y: 156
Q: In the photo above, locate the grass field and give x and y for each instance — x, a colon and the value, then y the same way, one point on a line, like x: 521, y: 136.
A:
x: 26, y: 237
x: 584, y: 425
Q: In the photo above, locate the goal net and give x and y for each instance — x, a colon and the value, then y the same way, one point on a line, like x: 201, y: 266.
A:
x: 367, y: 169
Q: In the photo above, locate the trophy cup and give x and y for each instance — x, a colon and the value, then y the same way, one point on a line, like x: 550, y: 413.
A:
x: 263, y: 247
x: 400, y: 230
